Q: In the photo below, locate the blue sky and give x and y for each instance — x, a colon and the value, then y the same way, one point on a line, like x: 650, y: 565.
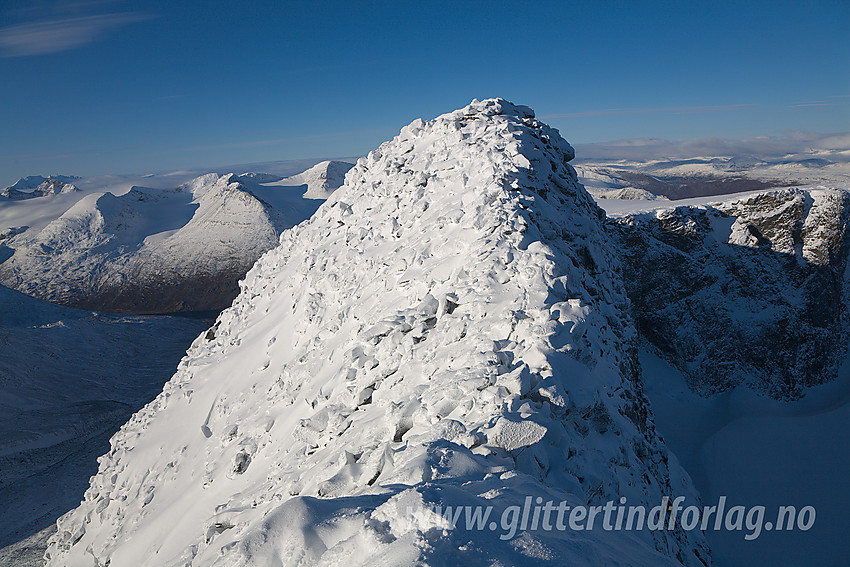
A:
x: 108, y: 86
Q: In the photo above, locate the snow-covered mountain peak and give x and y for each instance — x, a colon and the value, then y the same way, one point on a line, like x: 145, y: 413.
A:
x: 33, y: 181
x: 203, y: 235
x: 321, y: 180
x: 37, y: 186
x: 259, y: 177
x: 212, y: 186
x: 203, y: 183
x: 449, y: 328
x: 148, y: 247
x: 54, y: 187
x: 515, y: 150
x: 495, y: 107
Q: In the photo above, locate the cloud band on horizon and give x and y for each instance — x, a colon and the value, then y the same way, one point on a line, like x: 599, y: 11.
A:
x: 669, y: 109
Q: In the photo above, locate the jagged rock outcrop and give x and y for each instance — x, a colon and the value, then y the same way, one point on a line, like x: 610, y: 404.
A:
x: 449, y: 328
x: 751, y: 291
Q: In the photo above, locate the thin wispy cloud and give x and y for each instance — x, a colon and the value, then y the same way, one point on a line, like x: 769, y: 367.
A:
x: 819, y: 103
x: 51, y: 36
x: 662, y: 110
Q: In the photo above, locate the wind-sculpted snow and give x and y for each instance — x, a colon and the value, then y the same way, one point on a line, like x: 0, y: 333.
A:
x: 449, y: 328
x: 749, y: 291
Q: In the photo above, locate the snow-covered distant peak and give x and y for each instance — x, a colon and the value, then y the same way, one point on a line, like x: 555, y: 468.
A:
x: 321, y: 180
x: 31, y: 182
x: 213, y: 184
x: 55, y: 186
x: 203, y: 183
x: 24, y: 188
x: 259, y: 177
x: 626, y: 193
x: 27, y: 183
x: 183, y: 249
x: 144, y: 244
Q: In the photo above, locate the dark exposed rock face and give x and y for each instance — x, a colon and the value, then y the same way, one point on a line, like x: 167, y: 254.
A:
x: 753, y: 291
x: 206, y: 292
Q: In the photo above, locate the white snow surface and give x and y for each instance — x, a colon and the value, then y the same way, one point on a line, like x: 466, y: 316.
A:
x: 448, y: 328
x: 605, y: 186
x: 758, y: 451
x: 320, y: 180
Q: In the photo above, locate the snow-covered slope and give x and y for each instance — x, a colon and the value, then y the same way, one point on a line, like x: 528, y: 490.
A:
x: 152, y: 250
x: 757, y: 451
x: 604, y: 184
x: 750, y: 290
x: 449, y: 328
x: 320, y: 180
x: 68, y: 380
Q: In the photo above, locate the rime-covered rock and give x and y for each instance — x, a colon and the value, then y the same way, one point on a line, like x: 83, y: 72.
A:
x: 749, y: 291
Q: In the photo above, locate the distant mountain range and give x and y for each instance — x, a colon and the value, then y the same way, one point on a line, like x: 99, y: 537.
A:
x: 153, y: 250
x: 150, y: 247
x: 37, y: 186
x: 700, y: 177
